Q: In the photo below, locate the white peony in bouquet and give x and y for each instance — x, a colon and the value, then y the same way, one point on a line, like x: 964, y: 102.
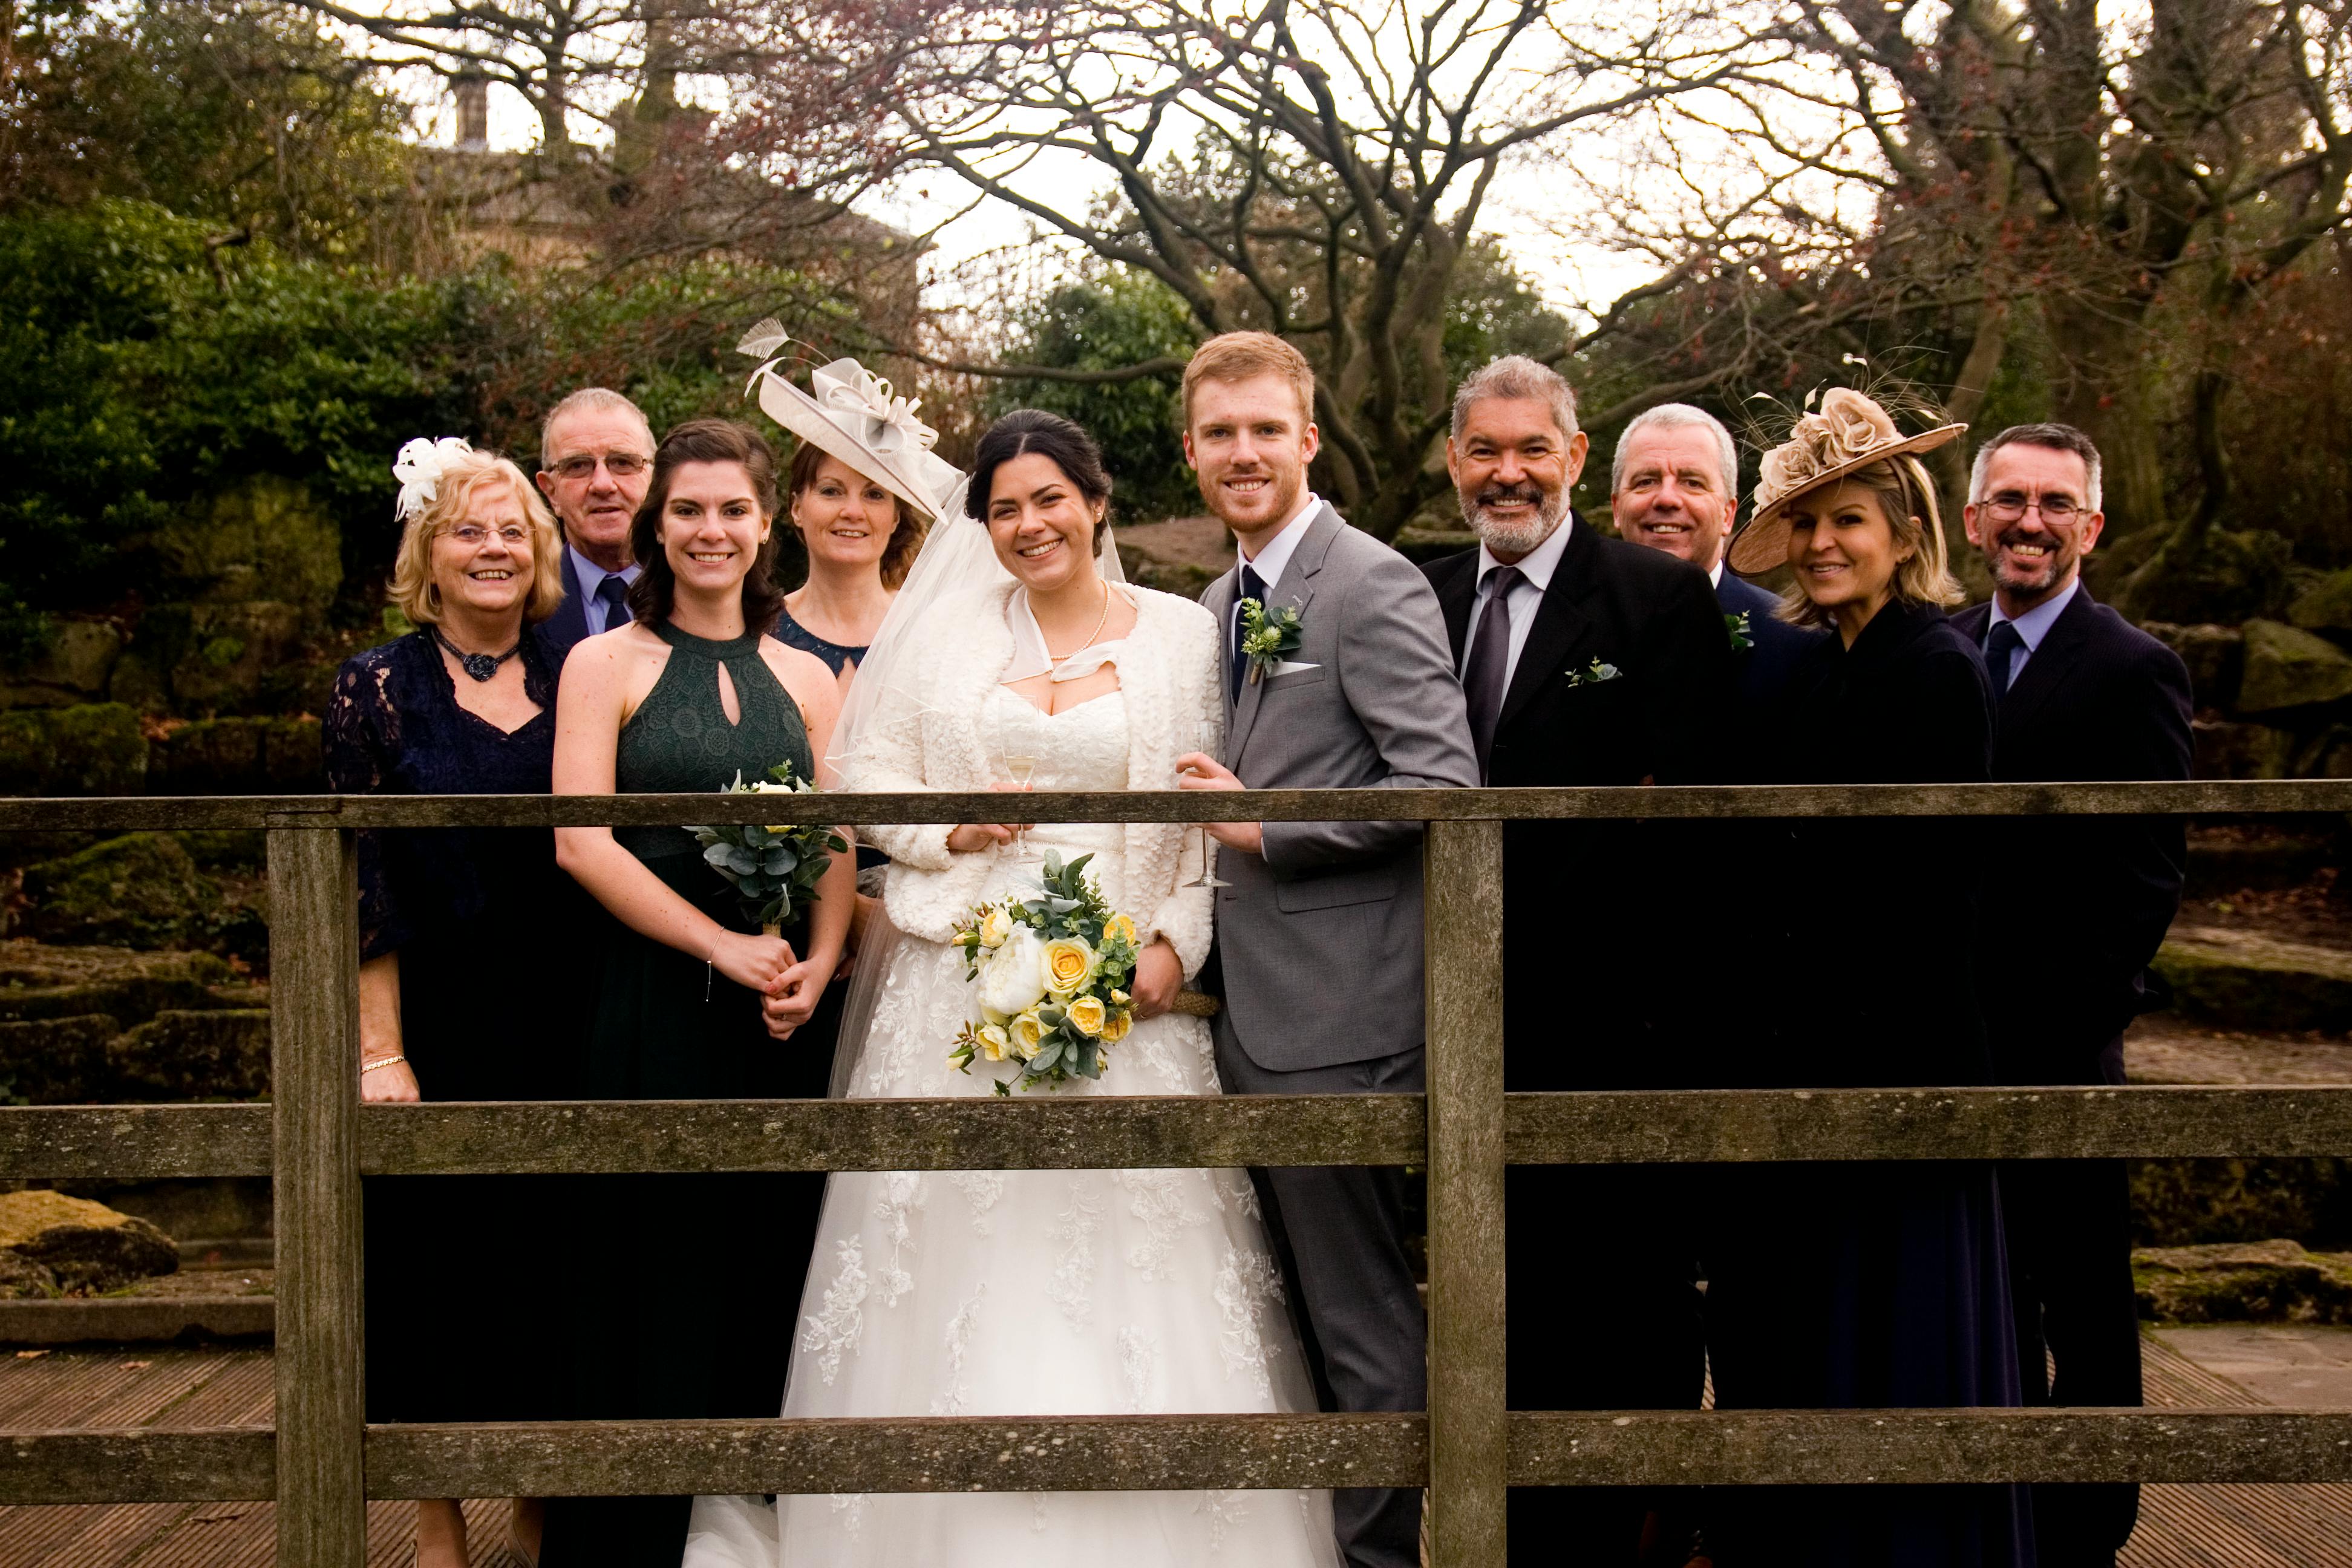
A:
x: 1053, y: 973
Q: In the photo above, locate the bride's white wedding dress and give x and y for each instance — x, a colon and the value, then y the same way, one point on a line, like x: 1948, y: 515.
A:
x: 1036, y: 1292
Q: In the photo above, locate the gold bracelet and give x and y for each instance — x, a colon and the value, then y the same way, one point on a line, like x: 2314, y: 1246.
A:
x: 367, y: 1068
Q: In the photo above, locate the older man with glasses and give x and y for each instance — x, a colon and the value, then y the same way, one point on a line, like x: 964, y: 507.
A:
x: 2074, y: 914
x: 596, y: 455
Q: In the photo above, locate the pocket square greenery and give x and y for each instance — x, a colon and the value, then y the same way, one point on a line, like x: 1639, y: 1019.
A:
x: 1736, y: 624
x: 773, y: 869
x: 1268, y: 637
x: 1593, y: 674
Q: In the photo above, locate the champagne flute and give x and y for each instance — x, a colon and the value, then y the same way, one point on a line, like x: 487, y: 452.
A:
x: 1020, y: 765
x: 1204, y: 740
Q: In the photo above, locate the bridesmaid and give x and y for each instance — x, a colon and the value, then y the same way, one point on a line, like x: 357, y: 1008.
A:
x: 1886, y: 1285
x: 693, y: 1003
x: 860, y: 538
x: 464, y: 705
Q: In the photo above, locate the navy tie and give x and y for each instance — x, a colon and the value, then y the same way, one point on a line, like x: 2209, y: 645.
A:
x: 613, y: 594
x: 2000, y: 653
x: 1486, y: 675
x: 1252, y: 587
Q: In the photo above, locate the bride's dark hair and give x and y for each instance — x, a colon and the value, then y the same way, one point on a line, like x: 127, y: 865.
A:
x: 1026, y: 430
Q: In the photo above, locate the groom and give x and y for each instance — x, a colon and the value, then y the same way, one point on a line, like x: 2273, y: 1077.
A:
x: 1318, y: 930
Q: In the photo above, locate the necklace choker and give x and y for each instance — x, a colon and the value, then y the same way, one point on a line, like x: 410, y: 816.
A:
x: 480, y: 665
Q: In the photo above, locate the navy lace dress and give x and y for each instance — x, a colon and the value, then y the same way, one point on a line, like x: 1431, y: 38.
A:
x: 490, y: 933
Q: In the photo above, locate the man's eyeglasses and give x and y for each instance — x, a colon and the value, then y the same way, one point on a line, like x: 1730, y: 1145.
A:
x: 2010, y: 506
x: 473, y: 535
x: 620, y: 465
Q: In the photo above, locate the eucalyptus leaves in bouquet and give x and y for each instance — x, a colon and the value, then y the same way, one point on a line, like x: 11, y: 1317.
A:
x: 1055, y: 972
x: 774, y: 870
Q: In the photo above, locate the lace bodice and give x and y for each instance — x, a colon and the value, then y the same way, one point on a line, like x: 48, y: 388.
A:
x: 1085, y: 747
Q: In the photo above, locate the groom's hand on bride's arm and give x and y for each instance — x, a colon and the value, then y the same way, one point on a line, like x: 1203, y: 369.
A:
x: 1198, y: 770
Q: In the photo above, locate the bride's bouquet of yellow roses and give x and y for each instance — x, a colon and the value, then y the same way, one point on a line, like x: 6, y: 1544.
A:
x: 1053, y: 973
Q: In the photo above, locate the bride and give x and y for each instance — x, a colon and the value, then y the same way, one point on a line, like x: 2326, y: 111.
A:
x: 1032, y: 1292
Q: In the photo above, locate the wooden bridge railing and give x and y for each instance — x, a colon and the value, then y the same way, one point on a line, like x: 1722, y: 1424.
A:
x: 321, y: 1462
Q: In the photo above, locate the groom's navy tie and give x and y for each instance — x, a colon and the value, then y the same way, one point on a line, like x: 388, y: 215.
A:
x: 1252, y: 587
x: 1484, y: 676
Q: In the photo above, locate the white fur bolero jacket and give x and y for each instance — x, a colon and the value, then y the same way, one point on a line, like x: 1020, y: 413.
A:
x: 926, y: 734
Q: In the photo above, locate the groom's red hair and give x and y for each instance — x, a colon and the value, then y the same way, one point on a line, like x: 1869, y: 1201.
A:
x: 1240, y: 356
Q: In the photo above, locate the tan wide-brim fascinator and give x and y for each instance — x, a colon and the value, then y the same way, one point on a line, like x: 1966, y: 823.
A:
x: 1847, y: 434
x: 853, y: 414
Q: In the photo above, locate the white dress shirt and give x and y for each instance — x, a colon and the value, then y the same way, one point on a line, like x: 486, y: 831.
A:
x: 1715, y: 573
x: 1270, y: 561
x: 2033, y: 625
x: 592, y: 577
x: 1527, y: 595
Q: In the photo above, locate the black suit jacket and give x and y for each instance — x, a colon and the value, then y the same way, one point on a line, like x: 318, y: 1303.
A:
x: 2068, y: 947
x: 1593, y: 995
x: 568, y: 624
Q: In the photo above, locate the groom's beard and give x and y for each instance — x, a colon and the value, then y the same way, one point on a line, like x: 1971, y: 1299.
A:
x: 1516, y: 536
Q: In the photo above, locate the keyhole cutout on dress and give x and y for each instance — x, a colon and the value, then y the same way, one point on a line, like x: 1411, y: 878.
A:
x: 728, y: 704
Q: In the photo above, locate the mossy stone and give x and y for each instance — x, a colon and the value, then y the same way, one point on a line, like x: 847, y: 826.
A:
x: 85, y: 1246
x: 263, y: 538
x: 2274, y: 1281
x: 2325, y: 605
x: 142, y: 889
x: 2288, y: 667
x: 216, y: 1055
x: 94, y: 748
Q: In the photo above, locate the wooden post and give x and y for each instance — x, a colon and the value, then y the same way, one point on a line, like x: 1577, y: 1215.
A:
x: 1468, y: 1432
x: 314, y: 1092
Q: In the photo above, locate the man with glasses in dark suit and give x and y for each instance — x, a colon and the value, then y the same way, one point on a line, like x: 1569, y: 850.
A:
x: 2075, y: 913
x: 595, y: 458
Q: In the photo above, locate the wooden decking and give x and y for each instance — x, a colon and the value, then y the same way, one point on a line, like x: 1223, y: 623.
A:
x: 2181, y: 1526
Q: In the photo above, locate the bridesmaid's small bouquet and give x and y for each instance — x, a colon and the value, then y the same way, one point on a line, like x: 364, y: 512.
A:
x: 774, y: 870
x: 1053, y: 974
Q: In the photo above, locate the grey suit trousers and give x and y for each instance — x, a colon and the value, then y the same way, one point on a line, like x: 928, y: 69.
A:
x: 1340, y: 1233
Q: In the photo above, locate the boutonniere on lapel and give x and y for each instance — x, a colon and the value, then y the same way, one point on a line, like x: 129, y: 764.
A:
x: 1736, y: 624
x: 1593, y: 674
x: 1268, y: 637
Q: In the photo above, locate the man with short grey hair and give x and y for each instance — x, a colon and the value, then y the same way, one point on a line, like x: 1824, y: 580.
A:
x: 1673, y: 486
x: 1585, y: 660
x: 595, y: 459
x: 2073, y: 912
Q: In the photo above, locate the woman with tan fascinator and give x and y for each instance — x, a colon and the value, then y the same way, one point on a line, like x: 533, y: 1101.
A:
x: 1832, y: 1286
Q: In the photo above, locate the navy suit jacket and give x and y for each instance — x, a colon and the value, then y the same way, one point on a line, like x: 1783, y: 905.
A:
x: 568, y: 624
x: 2076, y: 907
x: 1774, y: 645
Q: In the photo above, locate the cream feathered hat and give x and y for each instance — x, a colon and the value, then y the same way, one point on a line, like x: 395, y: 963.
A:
x: 1848, y: 433
x: 851, y: 414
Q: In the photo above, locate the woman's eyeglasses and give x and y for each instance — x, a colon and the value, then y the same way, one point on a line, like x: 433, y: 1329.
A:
x: 473, y: 535
x: 2010, y: 506
x: 620, y: 465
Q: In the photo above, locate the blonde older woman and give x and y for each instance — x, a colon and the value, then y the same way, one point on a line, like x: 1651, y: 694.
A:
x: 464, y: 936
x: 1834, y: 1286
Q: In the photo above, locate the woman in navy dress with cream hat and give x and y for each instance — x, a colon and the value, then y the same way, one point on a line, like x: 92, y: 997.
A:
x: 1886, y: 1285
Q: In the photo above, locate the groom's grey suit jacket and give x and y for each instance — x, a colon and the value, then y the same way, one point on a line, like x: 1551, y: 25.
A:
x: 1320, y: 938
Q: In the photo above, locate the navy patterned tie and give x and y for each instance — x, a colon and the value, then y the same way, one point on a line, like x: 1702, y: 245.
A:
x: 613, y: 594
x: 1252, y: 587
x: 2000, y: 653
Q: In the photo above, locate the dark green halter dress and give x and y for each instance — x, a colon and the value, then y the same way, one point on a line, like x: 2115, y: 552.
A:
x: 692, y: 1282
